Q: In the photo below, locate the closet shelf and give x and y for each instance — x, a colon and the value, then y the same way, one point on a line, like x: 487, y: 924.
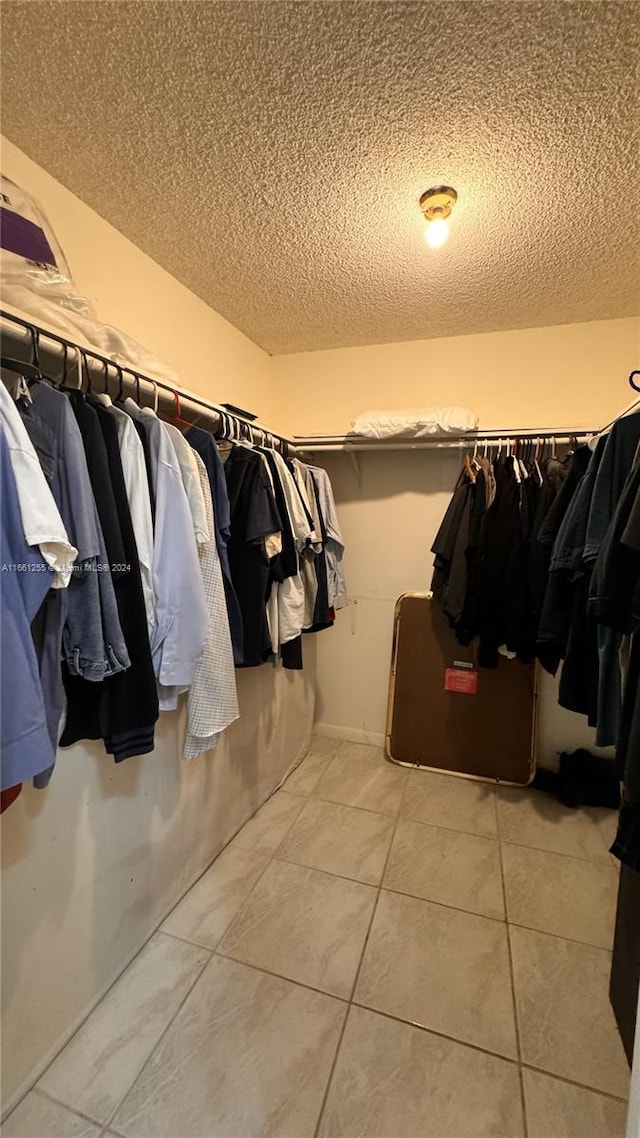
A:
x: 350, y: 443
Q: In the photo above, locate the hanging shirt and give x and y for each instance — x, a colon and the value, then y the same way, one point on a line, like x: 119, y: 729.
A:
x: 253, y: 518
x: 334, y: 543
x: 134, y: 471
x: 112, y: 559
x: 286, y: 599
x: 41, y: 520
x: 303, y: 481
x: 93, y: 645
x: 191, y: 481
x: 181, y: 629
x: 204, y: 444
x: 297, y: 533
x: 124, y: 708
x: 213, y: 702
x: 26, y: 746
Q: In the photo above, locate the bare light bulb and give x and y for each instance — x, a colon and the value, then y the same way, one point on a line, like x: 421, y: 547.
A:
x: 436, y: 232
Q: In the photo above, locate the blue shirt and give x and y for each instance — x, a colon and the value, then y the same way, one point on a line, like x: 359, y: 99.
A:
x: 25, y: 578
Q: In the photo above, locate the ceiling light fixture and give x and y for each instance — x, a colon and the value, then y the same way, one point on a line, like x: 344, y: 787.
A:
x: 436, y: 205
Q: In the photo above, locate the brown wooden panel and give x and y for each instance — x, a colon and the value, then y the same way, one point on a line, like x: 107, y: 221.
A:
x: 488, y: 735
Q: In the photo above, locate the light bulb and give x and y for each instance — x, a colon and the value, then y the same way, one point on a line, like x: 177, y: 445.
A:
x: 436, y: 232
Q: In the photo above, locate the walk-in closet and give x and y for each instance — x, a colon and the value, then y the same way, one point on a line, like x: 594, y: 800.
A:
x: 320, y: 569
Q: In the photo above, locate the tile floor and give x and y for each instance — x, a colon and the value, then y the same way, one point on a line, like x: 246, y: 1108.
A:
x: 378, y: 953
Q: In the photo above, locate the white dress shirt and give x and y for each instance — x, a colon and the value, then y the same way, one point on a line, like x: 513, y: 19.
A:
x: 213, y: 700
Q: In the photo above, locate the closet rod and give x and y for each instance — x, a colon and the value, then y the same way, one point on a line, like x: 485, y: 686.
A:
x: 350, y: 443
x: 19, y: 336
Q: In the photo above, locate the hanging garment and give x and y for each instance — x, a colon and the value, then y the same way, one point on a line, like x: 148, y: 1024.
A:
x: 135, y: 478
x: 304, y: 485
x: 43, y: 526
x: 564, y: 630
x: 41, y: 520
x: 123, y: 709
x: 560, y: 481
x: 26, y: 748
x: 285, y: 605
x: 324, y: 613
x: 112, y: 563
x: 85, y: 623
x: 93, y: 645
x: 191, y: 481
x: 254, y: 518
x: 204, y: 444
x: 481, y: 498
x: 615, y: 602
x: 334, y: 547
x: 451, y: 535
x: 617, y: 460
x: 181, y: 629
x: 501, y: 568
x: 212, y: 702
x: 143, y: 432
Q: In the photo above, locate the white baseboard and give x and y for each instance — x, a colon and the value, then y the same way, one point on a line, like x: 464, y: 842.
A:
x: 349, y: 734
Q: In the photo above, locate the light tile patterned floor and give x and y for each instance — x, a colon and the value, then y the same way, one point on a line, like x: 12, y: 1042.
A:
x: 344, y: 969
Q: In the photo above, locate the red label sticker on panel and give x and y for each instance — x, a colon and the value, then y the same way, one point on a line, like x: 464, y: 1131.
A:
x: 459, y: 681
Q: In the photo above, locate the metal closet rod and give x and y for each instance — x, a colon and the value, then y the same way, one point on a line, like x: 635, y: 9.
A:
x: 442, y: 442
x: 24, y: 335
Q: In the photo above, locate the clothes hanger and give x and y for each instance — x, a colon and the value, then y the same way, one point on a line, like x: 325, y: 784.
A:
x: 84, y: 373
x: 632, y: 383
x: 177, y: 419
x: 28, y: 371
x: 156, y: 396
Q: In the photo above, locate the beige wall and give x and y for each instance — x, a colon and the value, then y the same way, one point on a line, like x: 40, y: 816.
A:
x: 570, y: 375
x: 91, y: 865
x: 132, y: 292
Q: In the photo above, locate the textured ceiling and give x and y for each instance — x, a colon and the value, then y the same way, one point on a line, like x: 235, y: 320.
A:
x: 271, y: 155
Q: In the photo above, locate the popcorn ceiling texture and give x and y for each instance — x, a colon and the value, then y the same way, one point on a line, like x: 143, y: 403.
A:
x: 271, y: 155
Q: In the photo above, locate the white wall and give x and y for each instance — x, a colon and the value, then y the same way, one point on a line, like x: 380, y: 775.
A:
x: 91, y: 865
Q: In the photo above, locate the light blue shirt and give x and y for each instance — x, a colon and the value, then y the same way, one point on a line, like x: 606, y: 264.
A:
x: 25, y: 579
x: 182, y: 622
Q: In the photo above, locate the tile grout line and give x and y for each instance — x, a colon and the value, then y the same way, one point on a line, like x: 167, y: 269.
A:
x: 280, y: 976
x: 58, y: 1102
x: 350, y: 1003
x: 573, y: 1083
x: 153, y: 1050
x: 512, y: 978
x: 210, y: 951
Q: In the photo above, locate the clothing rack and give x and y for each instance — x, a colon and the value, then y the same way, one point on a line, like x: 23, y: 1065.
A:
x: 504, y: 435
x: 60, y: 359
